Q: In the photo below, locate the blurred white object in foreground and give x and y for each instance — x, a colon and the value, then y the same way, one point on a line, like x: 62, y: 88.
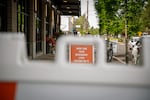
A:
x: 60, y: 80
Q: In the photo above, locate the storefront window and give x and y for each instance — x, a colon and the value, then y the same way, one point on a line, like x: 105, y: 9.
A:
x: 38, y: 26
x: 3, y: 15
x: 47, y: 28
x: 23, y: 20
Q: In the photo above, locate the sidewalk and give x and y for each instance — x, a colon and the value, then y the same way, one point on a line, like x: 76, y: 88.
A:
x: 121, y: 59
x: 50, y: 57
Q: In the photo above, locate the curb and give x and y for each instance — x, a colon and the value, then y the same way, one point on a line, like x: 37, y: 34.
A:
x: 119, y: 60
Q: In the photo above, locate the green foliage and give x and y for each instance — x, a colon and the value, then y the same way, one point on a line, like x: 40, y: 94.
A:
x: 84, y: 24
x: 113, y: 13
x: 120, y: 40
x: 145, y: 18
x: 109, y: 22
x: 94, y: 31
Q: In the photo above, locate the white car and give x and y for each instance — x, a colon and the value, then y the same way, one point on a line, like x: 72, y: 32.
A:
x: 133, y: 41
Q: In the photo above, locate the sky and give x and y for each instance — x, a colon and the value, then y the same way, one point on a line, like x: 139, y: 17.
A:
x: 93, y: 20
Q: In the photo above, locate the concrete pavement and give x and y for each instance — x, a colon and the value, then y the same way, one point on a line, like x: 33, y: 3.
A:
x: 50, y: 57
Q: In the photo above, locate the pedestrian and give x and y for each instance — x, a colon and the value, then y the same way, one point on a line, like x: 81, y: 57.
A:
x: 75, y: 32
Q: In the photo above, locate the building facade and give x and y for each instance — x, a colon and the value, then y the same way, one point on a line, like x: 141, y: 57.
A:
x: 35, y: 19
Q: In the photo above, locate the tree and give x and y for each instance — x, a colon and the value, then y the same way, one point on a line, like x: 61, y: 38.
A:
x: 112, y: 15
x: 145, y: 17
x: 134, y: 11
x: 106, y: 10
x: 94, y: 31
x: 83, y: 23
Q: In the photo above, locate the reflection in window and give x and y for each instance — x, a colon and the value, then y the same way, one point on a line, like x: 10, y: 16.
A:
x: 38, y: 26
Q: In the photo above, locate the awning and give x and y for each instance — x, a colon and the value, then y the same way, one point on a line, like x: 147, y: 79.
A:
x: 69, y: 7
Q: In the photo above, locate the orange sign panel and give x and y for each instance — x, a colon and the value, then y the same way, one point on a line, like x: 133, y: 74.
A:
x: 7, y: 90
x: 81, y: 54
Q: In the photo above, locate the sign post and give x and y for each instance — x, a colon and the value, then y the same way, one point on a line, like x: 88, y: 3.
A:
x: 81, y: 54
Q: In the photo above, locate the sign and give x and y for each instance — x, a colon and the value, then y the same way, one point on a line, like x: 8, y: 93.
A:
x: 81, y: 54
x: 78, y: 26
x: 139, y: 34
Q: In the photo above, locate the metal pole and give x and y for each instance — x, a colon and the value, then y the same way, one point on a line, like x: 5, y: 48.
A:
x: 87, y: 15
x: 126, y: 42
x: 126, y: 34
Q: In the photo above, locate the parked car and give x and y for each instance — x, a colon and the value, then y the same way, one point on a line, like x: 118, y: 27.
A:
x: 135, y: 45
x: 144, y: 33
x: 133, y: 41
